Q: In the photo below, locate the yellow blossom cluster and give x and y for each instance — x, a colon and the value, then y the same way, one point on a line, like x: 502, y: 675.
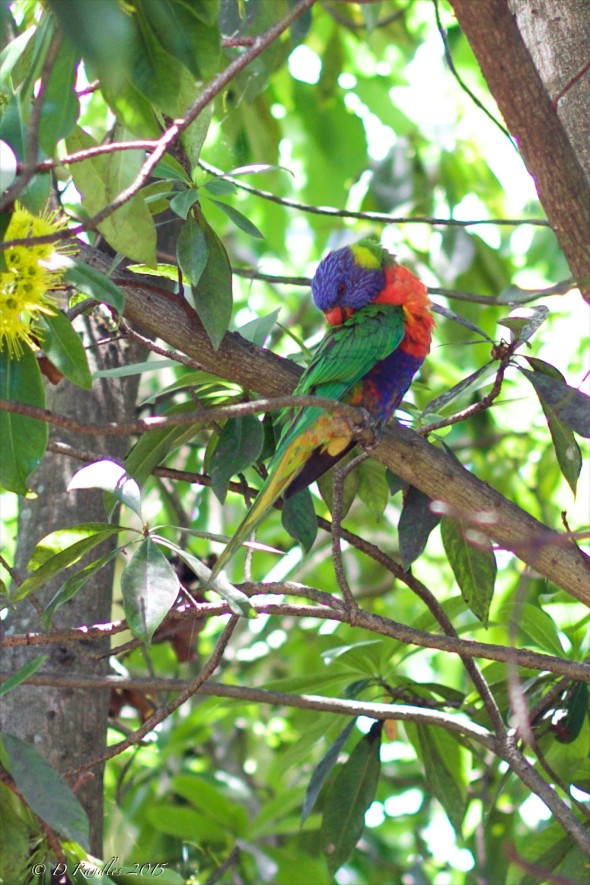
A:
x: 27, y: 279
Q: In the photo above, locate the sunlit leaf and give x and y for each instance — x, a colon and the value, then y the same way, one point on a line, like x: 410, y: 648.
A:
x: 111, y: 477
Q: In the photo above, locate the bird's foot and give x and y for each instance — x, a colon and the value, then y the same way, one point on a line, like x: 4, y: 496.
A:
x: 366, y: 430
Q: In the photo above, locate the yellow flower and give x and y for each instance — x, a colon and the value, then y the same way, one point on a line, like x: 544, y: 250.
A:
x: 28, y: 279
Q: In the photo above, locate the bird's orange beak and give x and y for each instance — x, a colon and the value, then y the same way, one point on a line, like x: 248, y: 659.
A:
x: 337, y: 315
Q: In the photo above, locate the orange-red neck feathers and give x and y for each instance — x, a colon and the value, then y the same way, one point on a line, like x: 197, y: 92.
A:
x: 404, y: 289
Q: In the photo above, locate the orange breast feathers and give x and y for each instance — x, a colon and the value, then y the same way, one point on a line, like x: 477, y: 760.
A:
x: 404, y: 289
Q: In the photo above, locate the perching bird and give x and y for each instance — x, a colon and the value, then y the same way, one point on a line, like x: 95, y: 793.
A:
x: 380, y: 331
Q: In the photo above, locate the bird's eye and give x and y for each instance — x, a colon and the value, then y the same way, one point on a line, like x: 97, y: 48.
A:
x: 341, y: 289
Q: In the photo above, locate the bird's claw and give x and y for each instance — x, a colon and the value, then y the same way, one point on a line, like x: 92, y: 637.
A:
x: 365, y: 429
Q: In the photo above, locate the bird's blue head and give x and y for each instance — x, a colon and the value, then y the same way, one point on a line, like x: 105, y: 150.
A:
x: 349, y: 279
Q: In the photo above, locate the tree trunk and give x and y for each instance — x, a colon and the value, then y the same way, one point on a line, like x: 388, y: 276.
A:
x: 533, y: 54
x: 69, y: 727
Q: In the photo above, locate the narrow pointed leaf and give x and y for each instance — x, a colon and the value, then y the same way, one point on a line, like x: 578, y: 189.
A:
x: 24, y: 440
x: 22, y: 674
x: 323, y: 769
x: 111, y: 477
x: 149, y: 586
x: 62, y: 345
x: 445, y: 768
x: 349, y: 798
x: 437, y: 404
x: 474, y: 566
x: 415, y: 525
x: 523, y: 322
x: 59, y: 551
x: 75, y: 583
x: 45, y: 791
x: 212, y: 296
x: 192, y: 251
x: 299, y: 518
x: 570, y: 405
x: 237, y: 601
x: 373, y: 489
x: 239, y: 220
x: 239, y: 446
x: 93, y: 283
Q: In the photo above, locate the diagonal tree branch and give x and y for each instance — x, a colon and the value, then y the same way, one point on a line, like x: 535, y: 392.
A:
x: 409, y: 456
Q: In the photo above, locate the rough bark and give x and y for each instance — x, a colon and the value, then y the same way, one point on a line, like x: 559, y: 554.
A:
x: 69, y: 726
x: 545, y: 103
x: 408, y: 455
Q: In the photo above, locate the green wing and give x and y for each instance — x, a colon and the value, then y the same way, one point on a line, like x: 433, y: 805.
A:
x: 344, y: 357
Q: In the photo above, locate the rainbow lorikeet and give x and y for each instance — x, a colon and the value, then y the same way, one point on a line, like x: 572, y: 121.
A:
x: 380, y: 331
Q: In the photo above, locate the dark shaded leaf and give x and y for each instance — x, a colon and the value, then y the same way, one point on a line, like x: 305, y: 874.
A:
x: 349, y: 798
x: 192, y: 251
x: 415, y: 525
x: 323, y: 769
x: 24, y: 440
x: 149, y: 586
x: 299, y: 519
x: 212, y: 296
x: 62, y: 345
x: 45, y: 791
x: 474, y: 567
x: 577, y: 709
x: 569, y: 405
x: 444, y: 762
x: 151, y: 449
x: 61, y: 107
x: 184, y: 201
x: 239, y: 446
x: 373, y: 489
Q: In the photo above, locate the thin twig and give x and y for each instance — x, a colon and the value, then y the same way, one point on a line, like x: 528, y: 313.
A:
x: 165, y: 711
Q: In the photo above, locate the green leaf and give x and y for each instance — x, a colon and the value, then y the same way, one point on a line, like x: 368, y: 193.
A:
x: 60, y: 550
x: 149, y: 586
x: 239, y: 220
x: 349, y: 491
x: 183, y: 202
x: 299, y: 519
x: 93, y: 283
x: 61, y: 106
x: 349, y: 798
x: 258, y: 330
x: 111, y: 477
x: 212, y: 297
x: 474, y: 567
x: 130, y: 230
x: 22, y: 674
x: 373, y: 489
x: 569, y: 405
x: 24, y: 440
x: 540, y: 628
x: 75, y: 583
x: 238, y: 601
x: 445, y: 768
x: 219, y: 187
x: 62, y: 345
x: 151, y: 449
x: 45, y: 791
x: 577, y: 709
x: 437, y: 404
x: 323, y: 769
x: 523, y: 322
x: 239, y: 446
x: 192, y: 251
x: 415, y: 525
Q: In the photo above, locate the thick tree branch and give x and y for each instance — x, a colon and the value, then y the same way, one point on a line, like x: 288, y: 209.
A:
x: 416, y: 461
